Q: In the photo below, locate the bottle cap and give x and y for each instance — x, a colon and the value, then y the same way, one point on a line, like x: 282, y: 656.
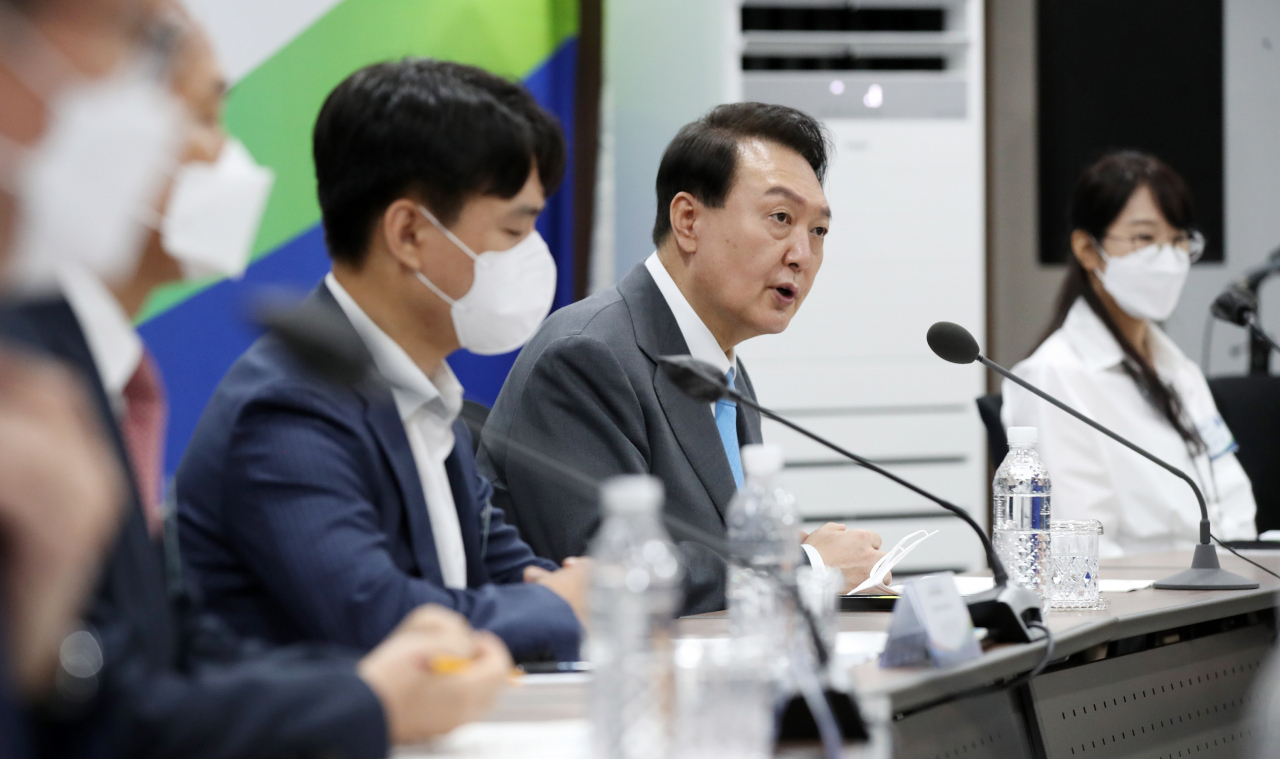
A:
x: 631, y: 493
x: 761, y: 460
x: 1022, y: 435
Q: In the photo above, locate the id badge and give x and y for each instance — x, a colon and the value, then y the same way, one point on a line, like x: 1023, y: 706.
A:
x: 1217, y: 437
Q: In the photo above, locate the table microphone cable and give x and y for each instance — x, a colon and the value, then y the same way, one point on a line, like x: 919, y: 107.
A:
x: 1242, y: 557
x: 1044, y: 660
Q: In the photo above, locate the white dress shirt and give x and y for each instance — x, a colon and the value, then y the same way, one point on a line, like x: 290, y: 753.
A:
x: 113, y: 341
x: 1142, y: 507
x: 428, y: 407
x: 701, y: 343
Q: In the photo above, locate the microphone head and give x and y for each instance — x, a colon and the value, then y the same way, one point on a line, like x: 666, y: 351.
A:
x: 320, y: 339
x: 953, y: 343
x: 1234, y: 305
x: 696, y: 379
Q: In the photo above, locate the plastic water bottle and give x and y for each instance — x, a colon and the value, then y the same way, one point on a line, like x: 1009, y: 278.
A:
x: 635, y: 595
x: 762, y: 526
x: 1021, y: 491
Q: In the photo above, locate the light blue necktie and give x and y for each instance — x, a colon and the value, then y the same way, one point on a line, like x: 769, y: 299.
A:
x: 727, y: 423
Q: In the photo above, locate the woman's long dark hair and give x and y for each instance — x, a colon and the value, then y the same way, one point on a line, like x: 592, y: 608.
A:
x: 1100, y: 195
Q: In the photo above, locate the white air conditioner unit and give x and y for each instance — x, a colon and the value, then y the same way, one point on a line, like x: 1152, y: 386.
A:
x: 900, y: 84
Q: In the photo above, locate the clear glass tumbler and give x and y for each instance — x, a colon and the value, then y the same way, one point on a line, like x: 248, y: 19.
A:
x: 1073, y: 583
x: 725, y: 692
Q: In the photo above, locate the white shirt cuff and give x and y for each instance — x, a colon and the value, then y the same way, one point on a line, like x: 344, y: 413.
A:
x: 815, y: 558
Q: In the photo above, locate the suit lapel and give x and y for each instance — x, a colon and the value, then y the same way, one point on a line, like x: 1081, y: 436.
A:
x: 133, y: 573
x: 748, y: 418
x: 463, y: 499
x: 383, y: 418
x: 691, y: 421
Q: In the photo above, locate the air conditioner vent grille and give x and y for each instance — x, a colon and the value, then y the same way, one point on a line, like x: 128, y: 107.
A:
x: 842, y: 63
x: 800, y: 19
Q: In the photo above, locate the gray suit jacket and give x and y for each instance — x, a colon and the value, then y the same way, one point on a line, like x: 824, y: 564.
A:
x: 587, y: 391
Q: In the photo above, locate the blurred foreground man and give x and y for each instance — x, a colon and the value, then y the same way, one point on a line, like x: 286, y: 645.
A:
x: 151, y: 675
x: 317, y: 512
x: 60, y: 489
x: 741, y: 219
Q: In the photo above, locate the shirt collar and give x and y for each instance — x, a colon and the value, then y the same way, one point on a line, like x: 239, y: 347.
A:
x: 1098, y: 349
x: 412, y: 389
x: 113, y: 342
x: 701, y: 343
x: 1092, y: 341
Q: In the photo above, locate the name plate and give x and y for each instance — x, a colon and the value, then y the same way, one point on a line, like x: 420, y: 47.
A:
x: 930, y: 626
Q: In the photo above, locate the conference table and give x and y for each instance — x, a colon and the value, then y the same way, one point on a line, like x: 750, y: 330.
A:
x: 1159, y: 673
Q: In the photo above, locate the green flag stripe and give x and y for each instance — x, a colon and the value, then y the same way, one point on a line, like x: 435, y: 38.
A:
x: 273, y: 108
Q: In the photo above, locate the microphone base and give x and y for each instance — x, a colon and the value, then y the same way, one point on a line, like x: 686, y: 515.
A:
x: 1205, y: 574
x: 1005, y: 611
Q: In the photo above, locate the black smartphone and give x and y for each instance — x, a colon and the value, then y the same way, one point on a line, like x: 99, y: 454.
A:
x: 867, y: 603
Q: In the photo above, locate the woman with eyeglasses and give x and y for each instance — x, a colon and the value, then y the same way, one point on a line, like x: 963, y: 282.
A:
x: 1134, y: 241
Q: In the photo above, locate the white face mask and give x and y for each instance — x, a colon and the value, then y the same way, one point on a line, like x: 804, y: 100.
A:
x: 214, y: 211
x: 510, y: 296
x: 1148, y: 282
x: 109, y: 147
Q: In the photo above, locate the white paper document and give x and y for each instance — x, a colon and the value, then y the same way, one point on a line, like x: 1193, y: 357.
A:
x: 874, y: 584
x: 1123, y: 586
x: 967, y: 586
x: 551, y: 739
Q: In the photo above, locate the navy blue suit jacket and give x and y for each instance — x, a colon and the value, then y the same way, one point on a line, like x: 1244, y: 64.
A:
x: 303, y: 517
x: 175, y: 681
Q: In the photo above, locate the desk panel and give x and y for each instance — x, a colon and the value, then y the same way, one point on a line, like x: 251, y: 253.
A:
x: 989, y: 726
x: 1183, y: 699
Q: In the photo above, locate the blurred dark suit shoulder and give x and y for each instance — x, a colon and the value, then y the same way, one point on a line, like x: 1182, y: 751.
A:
x: 175, y: 682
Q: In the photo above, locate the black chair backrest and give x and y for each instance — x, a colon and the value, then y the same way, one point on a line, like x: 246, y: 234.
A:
x: 1251, y: 408
x: 997, y: 442
x: 475, y: 414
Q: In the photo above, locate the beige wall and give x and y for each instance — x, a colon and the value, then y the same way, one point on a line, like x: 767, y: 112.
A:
x: 1020, y: 290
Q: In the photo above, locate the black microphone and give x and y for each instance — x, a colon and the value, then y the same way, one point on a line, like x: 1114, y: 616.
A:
x: 1008, y: 612
x: 1235, y: 305
x: 954, y: 343
x: 1239, y: 306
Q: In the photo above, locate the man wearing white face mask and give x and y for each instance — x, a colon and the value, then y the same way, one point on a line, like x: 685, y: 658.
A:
x: 1133, y: 244
x: 314, y: 512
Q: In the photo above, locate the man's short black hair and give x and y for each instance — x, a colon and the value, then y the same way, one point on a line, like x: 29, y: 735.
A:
x: 442, y: 131
x: 703, y: 157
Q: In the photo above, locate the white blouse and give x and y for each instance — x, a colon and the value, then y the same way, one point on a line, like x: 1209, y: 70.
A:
x: 1142, y: 507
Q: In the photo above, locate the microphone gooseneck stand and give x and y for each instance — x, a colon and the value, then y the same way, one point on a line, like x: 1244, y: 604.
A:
x: 1009, y: 612
x: 954, y: 343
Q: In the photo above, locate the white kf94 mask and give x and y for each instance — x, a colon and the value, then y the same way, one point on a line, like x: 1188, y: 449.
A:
x: 1148, y: 282
x: 214, y: 211
x: 509, y: 297
x: 107, y: 151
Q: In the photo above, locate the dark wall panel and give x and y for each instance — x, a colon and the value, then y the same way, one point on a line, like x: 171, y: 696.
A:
x: 1143, y: 74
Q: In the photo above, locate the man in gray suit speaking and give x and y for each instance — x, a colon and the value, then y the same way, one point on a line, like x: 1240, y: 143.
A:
x: 739, y: 231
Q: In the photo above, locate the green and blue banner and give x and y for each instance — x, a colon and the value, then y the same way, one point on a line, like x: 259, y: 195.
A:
x: 197, y: 330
